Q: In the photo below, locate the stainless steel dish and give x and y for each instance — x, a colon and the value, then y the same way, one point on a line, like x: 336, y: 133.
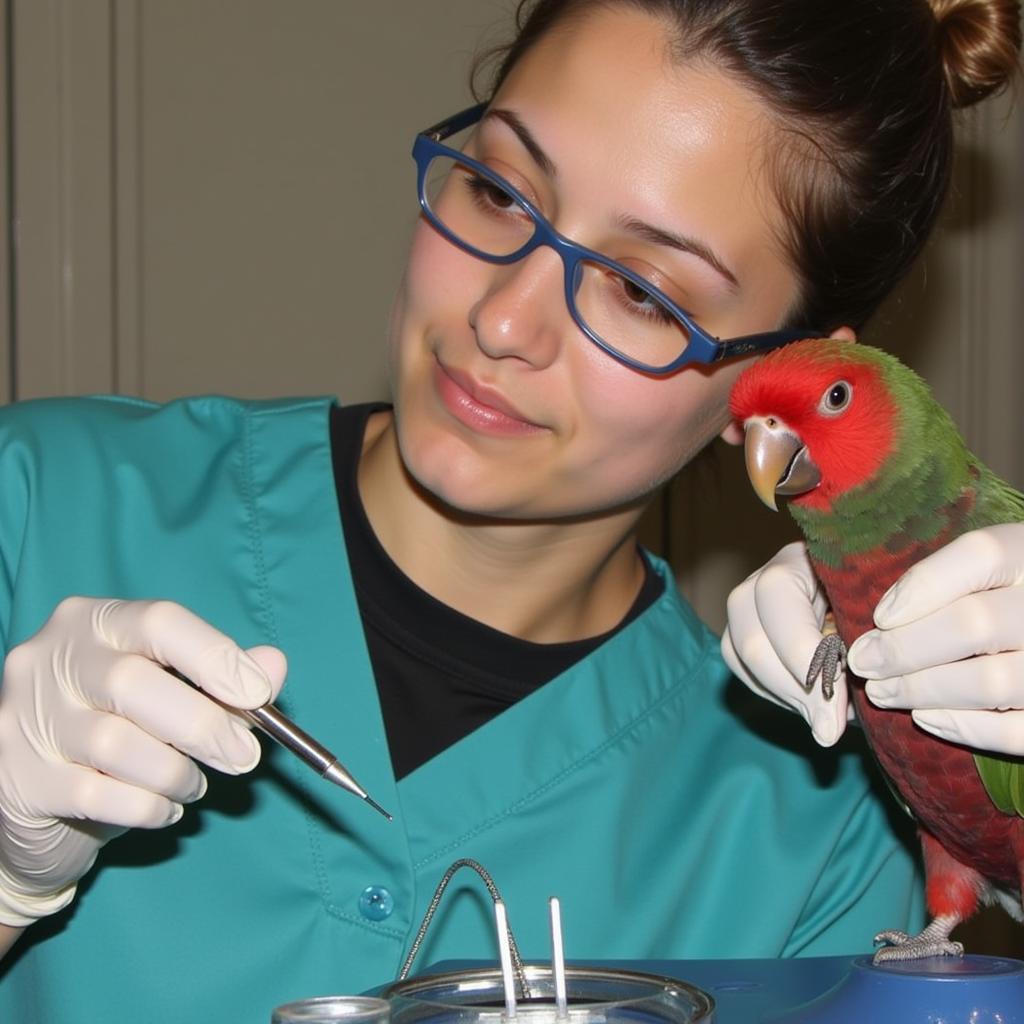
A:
x: 595, y: 996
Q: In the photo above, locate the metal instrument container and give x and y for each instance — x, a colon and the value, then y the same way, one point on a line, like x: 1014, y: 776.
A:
x: 595, y: 996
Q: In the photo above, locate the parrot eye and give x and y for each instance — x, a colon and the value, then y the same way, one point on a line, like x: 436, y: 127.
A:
x: 836, y: 398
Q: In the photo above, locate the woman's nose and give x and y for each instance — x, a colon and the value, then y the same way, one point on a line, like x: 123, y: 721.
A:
x: 523, y: 311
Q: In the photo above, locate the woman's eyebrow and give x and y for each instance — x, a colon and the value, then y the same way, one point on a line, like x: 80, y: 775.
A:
x: 681, y: 242
x: 525, y: 136
x: 640, y: 228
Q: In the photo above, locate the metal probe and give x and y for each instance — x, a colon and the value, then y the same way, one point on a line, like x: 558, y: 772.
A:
x: 281, y: 728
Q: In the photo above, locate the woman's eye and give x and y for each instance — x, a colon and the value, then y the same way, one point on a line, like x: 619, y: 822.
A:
x: 639, y: 301
x: 487, y: 191
x: 836, y: 398
x: 634, y: 292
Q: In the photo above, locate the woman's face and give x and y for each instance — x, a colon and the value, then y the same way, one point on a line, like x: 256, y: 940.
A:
x: 503, y: 406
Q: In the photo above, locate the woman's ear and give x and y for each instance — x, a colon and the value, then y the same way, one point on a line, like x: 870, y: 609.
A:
x: 732, y: 434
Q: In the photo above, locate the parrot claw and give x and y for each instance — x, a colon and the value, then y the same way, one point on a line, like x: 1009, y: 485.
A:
x: 827, y: 662
x: 933, y: 941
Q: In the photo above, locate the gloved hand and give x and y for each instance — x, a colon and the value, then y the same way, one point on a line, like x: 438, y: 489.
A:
x: 96, y: 737
x: 950, y: 642
x: 775, y: 620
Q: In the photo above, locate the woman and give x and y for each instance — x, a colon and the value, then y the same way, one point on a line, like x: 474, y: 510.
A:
x: 484, y: 644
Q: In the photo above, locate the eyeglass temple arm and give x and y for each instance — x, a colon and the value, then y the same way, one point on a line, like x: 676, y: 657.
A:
x: 455, y: 123
x: 760, y: 342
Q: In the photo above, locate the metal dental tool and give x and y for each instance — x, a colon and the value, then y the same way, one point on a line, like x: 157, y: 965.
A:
x: 281, y: 728
x: 508, y: 981
x: 558, y: 960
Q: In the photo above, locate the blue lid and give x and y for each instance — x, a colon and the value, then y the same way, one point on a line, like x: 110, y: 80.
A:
x: 954, y: 990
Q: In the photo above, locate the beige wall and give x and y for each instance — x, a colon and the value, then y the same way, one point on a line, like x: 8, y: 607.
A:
x: 214, y: 195
x: 6, y: 234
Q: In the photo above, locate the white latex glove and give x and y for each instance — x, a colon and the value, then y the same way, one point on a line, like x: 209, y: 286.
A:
x: 96, y: 737
x: 950, y: 642
x: 774, y: 626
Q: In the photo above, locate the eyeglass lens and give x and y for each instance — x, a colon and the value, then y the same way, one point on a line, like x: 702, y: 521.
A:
x: 623, y: 313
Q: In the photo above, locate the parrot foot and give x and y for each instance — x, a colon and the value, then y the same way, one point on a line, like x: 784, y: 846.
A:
x: 828, y: 659
x: 933, y: 941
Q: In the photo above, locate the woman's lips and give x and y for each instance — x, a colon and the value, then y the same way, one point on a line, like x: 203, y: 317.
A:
x: 479, y: 407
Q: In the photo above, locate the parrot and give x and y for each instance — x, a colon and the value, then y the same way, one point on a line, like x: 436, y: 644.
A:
x: 877, y: 477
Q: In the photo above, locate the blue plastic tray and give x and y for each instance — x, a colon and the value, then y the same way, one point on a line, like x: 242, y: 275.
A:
x: 844, y: 990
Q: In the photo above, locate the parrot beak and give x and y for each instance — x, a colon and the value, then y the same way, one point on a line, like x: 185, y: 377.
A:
x: 777, y: 460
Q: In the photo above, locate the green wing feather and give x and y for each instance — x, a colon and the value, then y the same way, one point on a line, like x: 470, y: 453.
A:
x: 1003, y: 779
x: 998, y: 502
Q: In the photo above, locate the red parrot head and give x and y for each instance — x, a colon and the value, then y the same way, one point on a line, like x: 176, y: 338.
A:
x: 819, y: 420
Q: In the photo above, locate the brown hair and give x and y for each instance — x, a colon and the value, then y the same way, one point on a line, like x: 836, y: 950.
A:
x: 863, y: 91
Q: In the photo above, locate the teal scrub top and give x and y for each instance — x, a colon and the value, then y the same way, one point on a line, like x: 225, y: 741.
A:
x: 674, y: 814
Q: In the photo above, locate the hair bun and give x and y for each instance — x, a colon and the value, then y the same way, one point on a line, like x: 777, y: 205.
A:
x: 979, y: 41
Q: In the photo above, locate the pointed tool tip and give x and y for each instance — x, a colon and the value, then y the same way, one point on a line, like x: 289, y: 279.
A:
x: 377, y: 807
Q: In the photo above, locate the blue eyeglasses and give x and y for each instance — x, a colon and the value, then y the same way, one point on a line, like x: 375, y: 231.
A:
x: 618, y: 309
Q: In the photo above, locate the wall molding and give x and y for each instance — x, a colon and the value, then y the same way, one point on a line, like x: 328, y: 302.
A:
x: 63, y: 197
x: 6, y: 229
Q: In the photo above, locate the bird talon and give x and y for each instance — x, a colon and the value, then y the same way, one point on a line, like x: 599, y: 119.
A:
x: 913, y: 951
x: 829, y: 657
x: 933, y: 941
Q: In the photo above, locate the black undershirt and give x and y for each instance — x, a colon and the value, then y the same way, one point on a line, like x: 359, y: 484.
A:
x: 440, y: 674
